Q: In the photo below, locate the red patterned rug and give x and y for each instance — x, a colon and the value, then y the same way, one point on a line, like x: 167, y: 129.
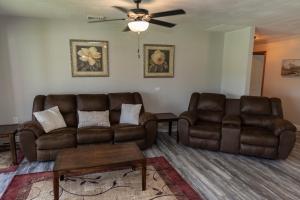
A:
x: 6, y: 162
x: 163, y: 182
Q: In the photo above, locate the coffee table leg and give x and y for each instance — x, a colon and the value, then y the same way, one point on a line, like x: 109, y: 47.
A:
x: 12, y: 142
x: 56, y: 185
x: 144, y: 175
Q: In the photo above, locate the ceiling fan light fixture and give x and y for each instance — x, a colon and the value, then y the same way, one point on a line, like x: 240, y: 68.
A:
x: 138, y: 26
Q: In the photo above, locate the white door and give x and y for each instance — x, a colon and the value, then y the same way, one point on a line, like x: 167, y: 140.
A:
x: 257, y: 74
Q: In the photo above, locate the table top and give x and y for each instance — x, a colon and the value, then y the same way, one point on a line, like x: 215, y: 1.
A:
x: 7, y: 129
x: 97, y: 156
x: 165, y: 116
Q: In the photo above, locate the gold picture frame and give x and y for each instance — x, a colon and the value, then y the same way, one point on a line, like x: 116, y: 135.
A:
x: 89, y: 58
x: 159, y: 61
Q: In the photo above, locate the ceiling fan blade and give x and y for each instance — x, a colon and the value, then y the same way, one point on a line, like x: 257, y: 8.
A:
x: 161, y: 23
x: 105, y: 20
x: 95, y: 17
x: 122, y: 9
x: 168, y: 13
x: 126, y: 29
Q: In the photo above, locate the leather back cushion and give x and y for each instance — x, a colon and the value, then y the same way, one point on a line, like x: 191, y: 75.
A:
x: 211, y: 107
x: 66, y: 105
x: 92, y: 102
x: 210, y: 116
x: 256, y: 111
x: 38, y: 105
x: 262, y: 121
x: 276, y: 107
x: 211, y: 102
x: 194, y: 101
x: 255, y: 105
x: 117, y: 99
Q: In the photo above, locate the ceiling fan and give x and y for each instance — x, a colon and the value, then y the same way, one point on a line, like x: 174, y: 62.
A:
x: 140, y: 18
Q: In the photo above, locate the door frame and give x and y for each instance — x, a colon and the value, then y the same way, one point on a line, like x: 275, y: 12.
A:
x: 264, y: 53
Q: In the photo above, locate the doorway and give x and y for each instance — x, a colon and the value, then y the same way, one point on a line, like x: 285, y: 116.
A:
x: 257, y: 73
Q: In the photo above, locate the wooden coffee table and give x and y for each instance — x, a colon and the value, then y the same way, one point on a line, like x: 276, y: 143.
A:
x: 92, y: 159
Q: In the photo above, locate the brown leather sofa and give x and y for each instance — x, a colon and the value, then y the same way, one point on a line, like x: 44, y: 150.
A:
x: 250, y: 125
x: 40, y: 146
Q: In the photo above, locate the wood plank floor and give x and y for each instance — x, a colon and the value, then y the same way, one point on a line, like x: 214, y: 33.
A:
x: 214, y: 175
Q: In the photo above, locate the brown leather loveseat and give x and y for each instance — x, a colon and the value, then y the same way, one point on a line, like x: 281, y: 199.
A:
x: 250, y: 126
x: 40, y: 146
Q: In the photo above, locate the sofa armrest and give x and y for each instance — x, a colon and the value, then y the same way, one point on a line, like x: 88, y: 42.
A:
x: 287, y: 141
x: 33, y: 127
x: 28, y: 133
x: 148, y: 120
x: 146, y: 117
x: 231, y: 121
x: 151, y: 132
x: 280, y: 126
x: 191, y: 117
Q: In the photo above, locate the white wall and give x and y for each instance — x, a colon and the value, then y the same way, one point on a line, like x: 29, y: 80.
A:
x: 35, y: 59
x: 7, y: 109
x: 237, y: 58
x: 287, y: 89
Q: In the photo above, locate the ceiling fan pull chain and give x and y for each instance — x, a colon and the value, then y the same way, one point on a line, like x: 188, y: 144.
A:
x: 139, y: 55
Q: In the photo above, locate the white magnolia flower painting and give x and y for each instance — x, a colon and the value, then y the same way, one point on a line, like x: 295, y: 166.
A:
x: 159, y: 60
x: 89, y: 58
x: 89, y: 55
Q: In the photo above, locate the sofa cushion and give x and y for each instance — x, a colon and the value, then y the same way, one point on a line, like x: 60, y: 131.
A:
x: 255, y: 105
x: 212, y: 102
x: 262, y: 121
x: 130, y: 113
x: 206, y: 130
x: 50, y: 119
x: 117, y: 99
x: 115, y: 103
x: 94, y: 135
x: 93, y: 118
x: 211, y: 107
x: 127, y: 132
x: 66, y: 105
x: 258, y: 136
x: 57, y: 139
x: 210, y: 116
x: 264, y: 152
x: 204, y: 143
x: 276, y: 107
x: 92, y: 102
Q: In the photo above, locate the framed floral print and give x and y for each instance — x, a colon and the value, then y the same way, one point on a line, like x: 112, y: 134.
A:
x: 89, y: 58
x: 159, y: 61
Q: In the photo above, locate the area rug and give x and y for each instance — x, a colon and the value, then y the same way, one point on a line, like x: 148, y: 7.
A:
x: 163, y: 183
x: 6, y: 162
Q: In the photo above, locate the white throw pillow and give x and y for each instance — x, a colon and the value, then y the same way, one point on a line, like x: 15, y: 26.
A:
x: 130, y: 113
x: 50, y: 119
x: 93, y: 118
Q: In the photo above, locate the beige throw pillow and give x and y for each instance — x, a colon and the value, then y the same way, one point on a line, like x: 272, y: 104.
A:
x: 93, y: 118
x: 130, y: 113
x: 50, y: 119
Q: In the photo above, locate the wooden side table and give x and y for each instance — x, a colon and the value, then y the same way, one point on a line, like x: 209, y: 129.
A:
x: 9, y: 131
x: 167, y: 117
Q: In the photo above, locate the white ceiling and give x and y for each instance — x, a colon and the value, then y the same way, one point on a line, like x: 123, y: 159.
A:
x: 273, y: 18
